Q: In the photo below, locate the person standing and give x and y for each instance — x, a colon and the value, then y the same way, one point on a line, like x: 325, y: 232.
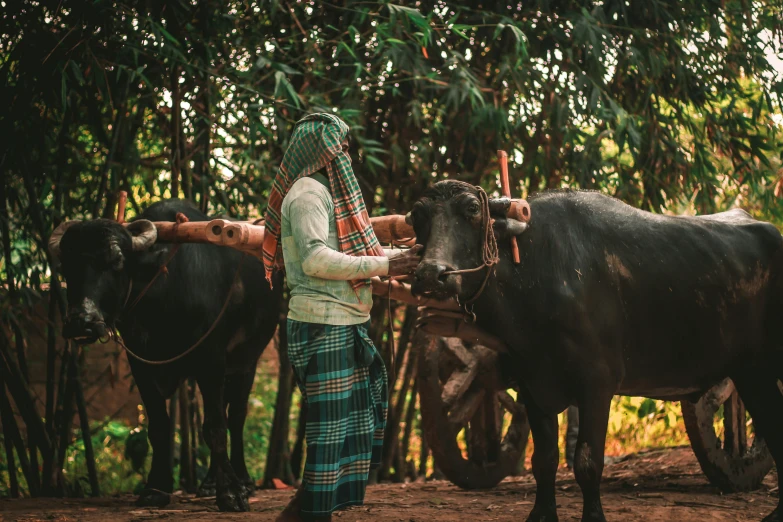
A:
x: 318, y: 230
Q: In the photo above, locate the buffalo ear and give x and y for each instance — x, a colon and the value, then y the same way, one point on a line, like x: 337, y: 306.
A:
x: 148, y: 263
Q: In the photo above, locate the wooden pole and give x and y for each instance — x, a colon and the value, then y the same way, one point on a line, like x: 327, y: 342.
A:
x: 122, y: 201
x: 506, y: 188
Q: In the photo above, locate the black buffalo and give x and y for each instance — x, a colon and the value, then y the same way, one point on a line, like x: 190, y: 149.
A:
x: 107, y: 266
x: 611, y: 300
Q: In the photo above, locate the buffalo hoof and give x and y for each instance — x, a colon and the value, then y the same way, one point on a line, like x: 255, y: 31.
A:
x: 153, y: 498
x: 542, y: 515
x: 593, y: 517
x: 233, y: 501
x: 207, y: 489
x: 249, y: 485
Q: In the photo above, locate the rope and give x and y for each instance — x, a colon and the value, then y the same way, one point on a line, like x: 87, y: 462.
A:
x: 118, y: 339
x: 163, y: 268
x: 489, y: 246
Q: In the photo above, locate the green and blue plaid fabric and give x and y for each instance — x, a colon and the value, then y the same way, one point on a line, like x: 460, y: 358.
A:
x: 342, y: 377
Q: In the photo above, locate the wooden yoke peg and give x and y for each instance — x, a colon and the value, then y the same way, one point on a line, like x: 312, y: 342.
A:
x: 505, y: 187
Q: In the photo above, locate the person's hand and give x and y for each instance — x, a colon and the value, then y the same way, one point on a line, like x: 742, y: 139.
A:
x: 405, y: 261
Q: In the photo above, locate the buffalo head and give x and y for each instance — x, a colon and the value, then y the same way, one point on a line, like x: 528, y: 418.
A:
x: 96, y: 259
x: 449, y: 221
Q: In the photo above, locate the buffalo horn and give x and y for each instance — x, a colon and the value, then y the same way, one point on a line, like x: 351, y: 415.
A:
x: 144, y: 234
x: 499, y: 206
x: 514, y: 227
x: 57, y: 235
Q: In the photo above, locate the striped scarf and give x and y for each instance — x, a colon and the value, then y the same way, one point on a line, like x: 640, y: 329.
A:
x: 318, y: 141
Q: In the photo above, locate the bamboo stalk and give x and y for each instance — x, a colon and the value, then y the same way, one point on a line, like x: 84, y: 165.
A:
x: 278, y: 464
x: 185, y: 470
x: 298, y: 452
x: 173, y: 403
x: 65, y: 424
x: 23, y: 397
x: 193, y: 403
x: 84, y: 425
x: 409, y: 417
x: 7, y: 418
x: 176, y: 113
x: 423, y: 455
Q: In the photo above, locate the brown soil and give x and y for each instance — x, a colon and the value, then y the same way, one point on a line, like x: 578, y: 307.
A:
x: 661, y: 485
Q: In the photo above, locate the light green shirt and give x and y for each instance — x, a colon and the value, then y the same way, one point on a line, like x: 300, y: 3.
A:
x: 316, y: 271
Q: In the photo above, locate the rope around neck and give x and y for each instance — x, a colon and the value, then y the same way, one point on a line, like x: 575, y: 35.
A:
x: 113, y: 333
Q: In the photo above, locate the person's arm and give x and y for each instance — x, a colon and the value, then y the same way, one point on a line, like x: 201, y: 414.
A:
x: 309, y: 214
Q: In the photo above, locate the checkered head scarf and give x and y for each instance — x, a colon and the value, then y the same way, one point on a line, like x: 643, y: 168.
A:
x: 321, y: 140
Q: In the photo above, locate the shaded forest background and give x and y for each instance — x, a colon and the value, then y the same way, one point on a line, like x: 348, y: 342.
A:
x: 670, y: 106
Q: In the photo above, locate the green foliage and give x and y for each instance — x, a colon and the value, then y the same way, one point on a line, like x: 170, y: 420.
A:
x: 663, y: 105
x: 670, y: 106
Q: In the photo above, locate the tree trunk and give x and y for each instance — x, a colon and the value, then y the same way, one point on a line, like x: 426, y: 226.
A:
x: 278, y: 460
x: 298, y: 453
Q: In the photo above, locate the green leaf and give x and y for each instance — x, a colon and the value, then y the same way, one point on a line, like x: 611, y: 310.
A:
x: 521, y: 46
x: 282, y: 82
x: 64, y: 91
x: 168, y: 35
x: 77, y: 72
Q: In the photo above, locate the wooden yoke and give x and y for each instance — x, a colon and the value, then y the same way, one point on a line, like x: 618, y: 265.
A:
x: 437, y: 317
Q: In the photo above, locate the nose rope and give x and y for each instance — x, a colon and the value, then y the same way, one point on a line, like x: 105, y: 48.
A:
x: 489, y: 248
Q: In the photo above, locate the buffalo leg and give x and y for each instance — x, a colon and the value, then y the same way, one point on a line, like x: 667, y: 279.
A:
x: 160, y: 481
x: 230, y: 494
x: 572, y: 433
x: 207, y: 487
x: 544, y: 462
x: 589, y: 455
x: 761, y: 395
x: 238, y: 390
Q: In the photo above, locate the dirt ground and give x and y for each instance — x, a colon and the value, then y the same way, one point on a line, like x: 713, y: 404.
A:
x: 660, y: 485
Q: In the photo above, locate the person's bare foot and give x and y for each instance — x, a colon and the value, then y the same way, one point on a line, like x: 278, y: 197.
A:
x: 293, y: 512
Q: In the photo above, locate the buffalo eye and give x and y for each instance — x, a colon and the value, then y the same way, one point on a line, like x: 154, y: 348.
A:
x: 474, y: 208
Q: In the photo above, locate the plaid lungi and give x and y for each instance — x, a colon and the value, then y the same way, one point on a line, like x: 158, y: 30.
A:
x: 342, y: 377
